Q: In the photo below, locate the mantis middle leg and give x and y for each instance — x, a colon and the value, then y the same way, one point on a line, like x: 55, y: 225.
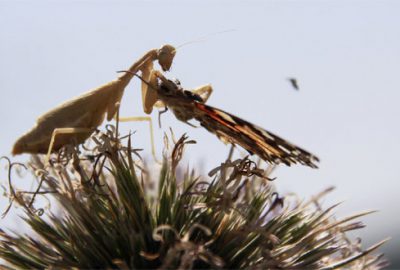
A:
x: 145, y: 119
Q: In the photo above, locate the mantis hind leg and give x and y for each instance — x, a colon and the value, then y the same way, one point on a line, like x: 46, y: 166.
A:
x: 59, y: 131
x: 144, y: 119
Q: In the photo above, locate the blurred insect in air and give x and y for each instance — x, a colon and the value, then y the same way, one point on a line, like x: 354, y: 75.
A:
x: 187, y: 105
x: 294, y: 83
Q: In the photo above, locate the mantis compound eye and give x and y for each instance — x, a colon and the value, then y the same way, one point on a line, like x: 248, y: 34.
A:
x: 165, y: 56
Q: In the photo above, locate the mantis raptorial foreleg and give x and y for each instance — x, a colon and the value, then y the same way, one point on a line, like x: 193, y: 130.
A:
x: 149, y: 98
x: 146, y: 119
x: 165, y: 56
x: 59, y: 131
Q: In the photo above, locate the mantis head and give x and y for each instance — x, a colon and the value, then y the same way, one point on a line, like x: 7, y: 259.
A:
x: 165, y: 56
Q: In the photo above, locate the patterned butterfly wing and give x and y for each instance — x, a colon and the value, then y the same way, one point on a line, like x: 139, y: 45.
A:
x: 255, y: 140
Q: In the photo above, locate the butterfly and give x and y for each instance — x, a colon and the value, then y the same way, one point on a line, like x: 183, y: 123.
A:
x: 187, y: 105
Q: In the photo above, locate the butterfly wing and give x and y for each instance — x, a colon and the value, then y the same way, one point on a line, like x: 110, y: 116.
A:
x: 254, y: 139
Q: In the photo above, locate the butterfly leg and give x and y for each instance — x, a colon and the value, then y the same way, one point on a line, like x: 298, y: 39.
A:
x: 159, y: 115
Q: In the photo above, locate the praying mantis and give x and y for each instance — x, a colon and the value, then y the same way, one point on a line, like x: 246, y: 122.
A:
x: 75, y: 120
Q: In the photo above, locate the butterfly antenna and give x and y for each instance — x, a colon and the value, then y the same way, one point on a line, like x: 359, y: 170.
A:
x: 134, y: 74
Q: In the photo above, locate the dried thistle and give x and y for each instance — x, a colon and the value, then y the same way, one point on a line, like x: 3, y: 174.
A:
x: 112, y: 218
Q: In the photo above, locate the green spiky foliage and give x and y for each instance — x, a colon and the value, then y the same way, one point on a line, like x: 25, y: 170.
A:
x: 107, y: 211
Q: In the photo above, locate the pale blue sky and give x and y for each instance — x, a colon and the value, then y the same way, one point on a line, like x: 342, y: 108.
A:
x: 345, y: 54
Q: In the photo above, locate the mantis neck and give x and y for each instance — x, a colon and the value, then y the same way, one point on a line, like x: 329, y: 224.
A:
x: 149, y: 57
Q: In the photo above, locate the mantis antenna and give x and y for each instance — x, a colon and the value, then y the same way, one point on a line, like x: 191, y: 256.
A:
x: 204, y: 38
